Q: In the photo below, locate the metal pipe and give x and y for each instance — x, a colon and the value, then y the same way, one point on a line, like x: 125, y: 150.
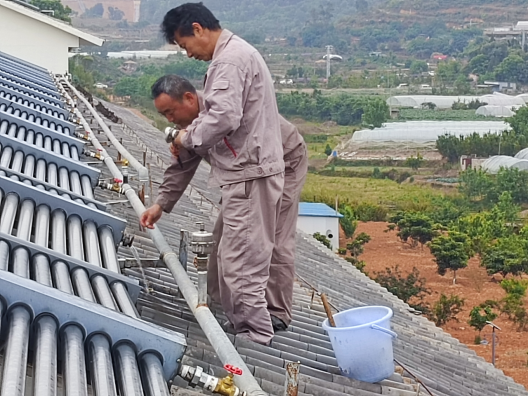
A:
x: 108, y: 250
x: 58, y: 231
x: 41, y: 268
x: 16, y: 353
x: 6, y: 226
x: 142, y: 170
x: 61, y: 277
x: 81, y: 282
x: 21, y: 255
x: 87, y: 187
x: 102, y: 371
x: 106, y: 158
x: 52, y: 174
x: 152, y: 374
x: 127, y: 371
x: 75, y: 241
x: 91, y: 243
x: 74, y: 367
x: 64, y: 178
x: 214, y: 333
x: 29, y: 165
x: 292, y: 378
x: 102, y: 292
x: 123, y: 299
x: 75, y: 183
x: 45, y: 362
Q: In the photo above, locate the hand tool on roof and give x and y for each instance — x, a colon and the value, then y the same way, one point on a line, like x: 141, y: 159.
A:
x: 171, y: 134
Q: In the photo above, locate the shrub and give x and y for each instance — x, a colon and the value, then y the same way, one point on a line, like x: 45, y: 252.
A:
x: 411, y: 288
x: 446, y: 309
x: 322, y: 239
x: 341, y: 251
x: 479, y: 316
x: 366, y: 212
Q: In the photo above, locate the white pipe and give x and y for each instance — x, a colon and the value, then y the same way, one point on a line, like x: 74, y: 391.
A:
x: 142, y: 170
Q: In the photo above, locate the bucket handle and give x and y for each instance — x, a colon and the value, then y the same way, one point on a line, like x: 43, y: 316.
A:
x: 387, y: 331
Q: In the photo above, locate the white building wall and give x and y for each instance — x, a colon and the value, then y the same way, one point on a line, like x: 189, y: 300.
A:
x: 35, y: 41
x: 321, y: 224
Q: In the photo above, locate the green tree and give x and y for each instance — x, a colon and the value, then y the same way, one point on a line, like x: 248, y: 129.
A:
x: 328, y: 150
x: 115, y: 14
x: 59, y: 11
x: 376, y: 112
x: 356, y: 246
x: 415, y: 226
x: 96, y: 11
x: 446, y: 309
x: 508, y: 255
x: 479, y: 315
x: 475, y: 184
x: 348, y: 222
x: 450, y: 252
x: 418, y: 67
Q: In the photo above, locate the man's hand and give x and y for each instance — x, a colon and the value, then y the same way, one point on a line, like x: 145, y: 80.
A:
x: 178, y: 140
x: 175, y: 150
x: 151, y: 216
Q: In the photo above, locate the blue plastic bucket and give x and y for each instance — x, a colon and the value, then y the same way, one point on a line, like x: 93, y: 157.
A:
x: 362, y: 342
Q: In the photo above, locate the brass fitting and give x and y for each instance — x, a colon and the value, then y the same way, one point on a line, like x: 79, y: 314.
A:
x: 116, y: 187
x: 226, y: 386
x: 124, y: 163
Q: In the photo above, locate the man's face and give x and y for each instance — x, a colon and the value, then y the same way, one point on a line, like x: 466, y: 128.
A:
x: 181, y: 112
x: 198, y: 46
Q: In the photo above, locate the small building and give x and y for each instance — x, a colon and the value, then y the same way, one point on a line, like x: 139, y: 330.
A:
x: 320, y: 218
x: 27, y: 33
x: 499, y: 86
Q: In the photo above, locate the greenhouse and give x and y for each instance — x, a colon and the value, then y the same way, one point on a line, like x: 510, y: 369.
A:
x: 425, y: 131
x: 494, y: 164
x: 523, y: 154
x: 415, y: 101
x: 496, y: 111
x: 445, y: 102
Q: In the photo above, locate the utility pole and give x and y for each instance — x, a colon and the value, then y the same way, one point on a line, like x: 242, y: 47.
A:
x: 329, y: 49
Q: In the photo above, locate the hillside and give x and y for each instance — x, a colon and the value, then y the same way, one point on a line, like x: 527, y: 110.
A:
x: 287, y: 17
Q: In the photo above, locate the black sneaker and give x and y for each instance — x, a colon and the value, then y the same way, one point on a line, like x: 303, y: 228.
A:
x: 278, y: 324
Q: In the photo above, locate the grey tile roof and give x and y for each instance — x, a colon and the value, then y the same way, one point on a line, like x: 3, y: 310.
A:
x: 444, y: 364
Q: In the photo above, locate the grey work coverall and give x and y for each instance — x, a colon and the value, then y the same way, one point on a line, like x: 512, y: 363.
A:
x: 239, y: 129
x: 279, y: 289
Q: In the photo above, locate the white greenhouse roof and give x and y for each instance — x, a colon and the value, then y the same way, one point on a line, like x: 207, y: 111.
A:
x: 415, y: 101
x: 445, y: 102
x: 494, y: 164
x: 523, y: 154
x: 426, y: 131
x: 497, y: 111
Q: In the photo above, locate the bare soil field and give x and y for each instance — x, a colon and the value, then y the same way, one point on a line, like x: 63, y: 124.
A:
x: 473, y: 285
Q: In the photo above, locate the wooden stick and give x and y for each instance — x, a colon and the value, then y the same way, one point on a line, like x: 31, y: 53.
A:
x: 328, y: 310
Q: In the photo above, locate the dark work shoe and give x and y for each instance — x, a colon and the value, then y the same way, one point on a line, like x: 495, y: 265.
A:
x: 278, y: 324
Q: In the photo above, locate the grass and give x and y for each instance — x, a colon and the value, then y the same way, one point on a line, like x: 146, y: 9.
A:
x: 372, y: 191
x: 440, y: 115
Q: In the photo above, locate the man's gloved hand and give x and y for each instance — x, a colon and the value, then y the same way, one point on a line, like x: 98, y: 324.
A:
x: 175, y: 150
x: 150, y: 216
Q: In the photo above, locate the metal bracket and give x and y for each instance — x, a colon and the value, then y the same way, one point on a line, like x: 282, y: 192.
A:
x: 34, y: 100
x: 51, y: 157
x: 132, y: 284
x: 11, y: 119
x: 35, y: 182
x: 66, y: 125
x: 70, y: 207
x: 183, y: 252
x: 95, y: 318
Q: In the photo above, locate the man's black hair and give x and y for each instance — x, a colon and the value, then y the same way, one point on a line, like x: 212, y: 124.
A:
x: 180, y: 19
x: 172, y: 85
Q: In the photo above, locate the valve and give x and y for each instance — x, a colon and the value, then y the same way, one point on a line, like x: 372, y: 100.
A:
x: 226, y: 386
x: 96, y: 155
x: 115, y: 186
x: 202, y: 242
x: 124, y: 170
x: 85, y: 136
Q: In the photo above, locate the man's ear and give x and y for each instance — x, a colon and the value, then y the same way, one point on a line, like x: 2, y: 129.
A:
x: 198, y: 30
x: 189, y: 96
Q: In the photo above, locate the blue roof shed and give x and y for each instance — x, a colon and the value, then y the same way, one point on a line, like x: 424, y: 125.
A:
x: 318, y: 209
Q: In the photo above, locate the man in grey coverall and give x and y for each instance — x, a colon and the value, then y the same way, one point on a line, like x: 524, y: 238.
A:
x: 177, y: 100
x: 239, y: 129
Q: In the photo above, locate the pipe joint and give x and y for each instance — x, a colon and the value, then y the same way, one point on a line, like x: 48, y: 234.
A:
x: 98, y: 155
x: 224, y: 386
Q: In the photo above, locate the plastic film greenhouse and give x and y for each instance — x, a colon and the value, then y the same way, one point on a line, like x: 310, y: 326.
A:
x: 446, y: 102
x: 495, y: 163
x: 496, y: 111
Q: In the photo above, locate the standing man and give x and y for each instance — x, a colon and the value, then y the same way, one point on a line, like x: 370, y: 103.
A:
x: 177, y: 100
x: 239, y: 129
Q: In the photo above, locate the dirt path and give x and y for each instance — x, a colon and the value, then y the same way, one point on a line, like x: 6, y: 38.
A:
x: 473, y: 284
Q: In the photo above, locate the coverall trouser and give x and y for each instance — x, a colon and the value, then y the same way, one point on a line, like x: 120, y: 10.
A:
x: 246, y: 237
x: 279, y: 287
